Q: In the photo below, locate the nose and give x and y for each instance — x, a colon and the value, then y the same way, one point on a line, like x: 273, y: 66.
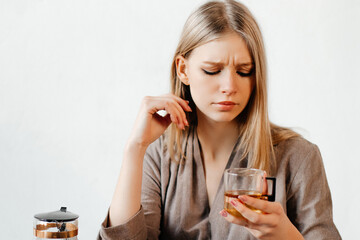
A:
x: 228, y: 83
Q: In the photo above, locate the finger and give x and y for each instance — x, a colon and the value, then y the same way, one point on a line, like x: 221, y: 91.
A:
x: 170, y: 105
x: 175, y: 118
x: 262, y: 205
x: 183, y: 103
x: 181, y: 111
x: 175, y: 114
x: 171, y: 117
x: 232, y: 219
x: 254, y: 217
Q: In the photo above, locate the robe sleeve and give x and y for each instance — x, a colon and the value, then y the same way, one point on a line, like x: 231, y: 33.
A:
x: 145, y: 224
x: 309, y: 203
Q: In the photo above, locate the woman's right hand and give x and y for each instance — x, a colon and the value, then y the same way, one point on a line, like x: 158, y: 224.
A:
x: 149, y: 125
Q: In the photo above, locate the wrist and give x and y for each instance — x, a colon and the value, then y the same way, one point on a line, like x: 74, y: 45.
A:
x: 294, y: 233
x: 137, y: 146
x: 135, y: 150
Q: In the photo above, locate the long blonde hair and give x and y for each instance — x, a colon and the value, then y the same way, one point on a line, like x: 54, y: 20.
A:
x: 209, y: 22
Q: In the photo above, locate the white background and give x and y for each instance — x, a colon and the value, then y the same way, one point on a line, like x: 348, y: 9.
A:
x: 72, y: 74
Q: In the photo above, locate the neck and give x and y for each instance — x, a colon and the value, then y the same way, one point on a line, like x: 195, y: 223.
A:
x: 217, y: 138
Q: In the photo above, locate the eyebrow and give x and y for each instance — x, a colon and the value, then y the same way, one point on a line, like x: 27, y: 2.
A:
x: 220, y: 64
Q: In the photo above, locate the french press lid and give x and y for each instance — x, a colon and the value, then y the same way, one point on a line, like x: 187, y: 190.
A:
x: 57, y: 216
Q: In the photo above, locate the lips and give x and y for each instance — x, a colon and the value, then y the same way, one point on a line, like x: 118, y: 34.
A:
x: 226, y: 103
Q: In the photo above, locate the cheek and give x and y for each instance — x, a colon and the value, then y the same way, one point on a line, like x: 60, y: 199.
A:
x: 197, y: 82
x: 202, y: 89
x: 246, y: 89
x: 197, y: 93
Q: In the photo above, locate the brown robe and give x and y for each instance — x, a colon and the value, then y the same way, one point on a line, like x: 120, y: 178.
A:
x: 175, y: 202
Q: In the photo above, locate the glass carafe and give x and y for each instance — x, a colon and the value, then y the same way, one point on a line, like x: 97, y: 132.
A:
x: 56, y: 225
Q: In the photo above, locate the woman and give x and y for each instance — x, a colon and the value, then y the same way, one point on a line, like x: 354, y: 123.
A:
x: 170, y: 184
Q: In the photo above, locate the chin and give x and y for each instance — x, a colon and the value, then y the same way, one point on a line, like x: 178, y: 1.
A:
x: 219, y: 116
x: 223, y: 117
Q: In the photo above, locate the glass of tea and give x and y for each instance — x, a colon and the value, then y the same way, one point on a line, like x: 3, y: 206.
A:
x: 247, y: 181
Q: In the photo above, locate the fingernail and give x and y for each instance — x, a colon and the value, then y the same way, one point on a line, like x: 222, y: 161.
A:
x: 242, y: 198
x: 186, y: 122
x: 223, y: 213
x: 233, y: 202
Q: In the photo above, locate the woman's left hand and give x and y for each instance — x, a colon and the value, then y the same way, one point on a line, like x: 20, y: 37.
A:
x: 273, y: 223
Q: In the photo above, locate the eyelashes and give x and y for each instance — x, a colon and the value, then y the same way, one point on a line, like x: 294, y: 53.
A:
x: 242, y: 74
x: 210, y: 73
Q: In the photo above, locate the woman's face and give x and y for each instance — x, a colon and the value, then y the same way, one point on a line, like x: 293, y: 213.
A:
x: 220, y: 76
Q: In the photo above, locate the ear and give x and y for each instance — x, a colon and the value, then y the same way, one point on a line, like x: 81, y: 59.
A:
x: 181, y: 69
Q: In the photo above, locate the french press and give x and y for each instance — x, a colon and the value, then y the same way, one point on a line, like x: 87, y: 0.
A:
x: 56, y: 225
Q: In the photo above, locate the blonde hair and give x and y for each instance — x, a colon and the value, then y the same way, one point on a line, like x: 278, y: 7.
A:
x: 209, y: 22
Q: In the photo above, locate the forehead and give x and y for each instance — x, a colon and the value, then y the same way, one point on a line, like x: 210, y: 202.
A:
x: 229, y: 48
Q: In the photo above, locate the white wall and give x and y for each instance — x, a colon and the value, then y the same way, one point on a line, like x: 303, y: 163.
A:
x: 72, y: 74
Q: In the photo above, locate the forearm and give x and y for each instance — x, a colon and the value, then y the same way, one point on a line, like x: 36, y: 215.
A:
x: 148, y: 127
x: 127, y: 195
x: 293, y: 233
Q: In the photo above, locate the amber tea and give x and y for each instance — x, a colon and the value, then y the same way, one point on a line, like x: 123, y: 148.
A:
x: 234, y: 194
x: 247, y: 181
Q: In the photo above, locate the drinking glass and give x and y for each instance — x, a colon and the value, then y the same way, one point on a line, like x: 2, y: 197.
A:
x: 247, y: 181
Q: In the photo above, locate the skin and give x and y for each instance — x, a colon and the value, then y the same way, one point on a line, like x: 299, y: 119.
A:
x: 218, y: 71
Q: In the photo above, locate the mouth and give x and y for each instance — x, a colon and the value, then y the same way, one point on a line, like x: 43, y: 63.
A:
x: 226, y: 103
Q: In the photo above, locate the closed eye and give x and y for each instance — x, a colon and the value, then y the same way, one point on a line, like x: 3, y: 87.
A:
x: 247, y: 74
x: 210, y: 73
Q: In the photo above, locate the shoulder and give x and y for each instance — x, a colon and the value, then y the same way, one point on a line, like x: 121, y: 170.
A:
x: 296, y: 153
x: 288, y: 142
x: 304, y: 189
x: 296, y: 146
x: 299, y: 166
